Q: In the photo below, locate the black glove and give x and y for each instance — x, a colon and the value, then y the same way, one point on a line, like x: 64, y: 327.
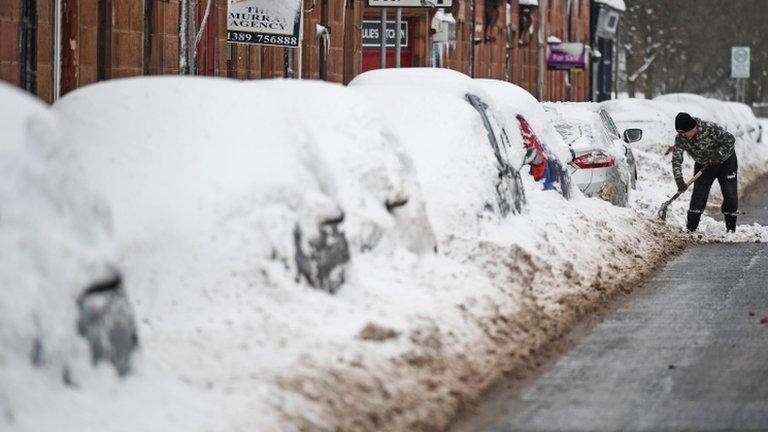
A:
x: 681, y: 186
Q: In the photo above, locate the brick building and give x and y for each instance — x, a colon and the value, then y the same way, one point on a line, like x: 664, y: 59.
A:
x: 104, y: 39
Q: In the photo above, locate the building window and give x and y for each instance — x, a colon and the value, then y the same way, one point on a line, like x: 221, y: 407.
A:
x: 28, y: 45
x: 104, y: 40
x: 147, y: 61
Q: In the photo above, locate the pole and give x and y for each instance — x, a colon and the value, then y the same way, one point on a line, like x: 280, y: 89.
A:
x: 300, y: 53
x: 287, y: 63
x: 743, y: 90
x: 398, y: 22
x: 567, y: 27
x: 616, y: 51
x: 383, y: 38
x: 57, y: 50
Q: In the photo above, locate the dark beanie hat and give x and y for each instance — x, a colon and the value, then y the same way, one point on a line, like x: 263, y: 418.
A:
x: 684, y: 122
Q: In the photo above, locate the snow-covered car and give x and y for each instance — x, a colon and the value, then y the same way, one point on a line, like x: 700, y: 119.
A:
x: 63, y: 307
x: 749, y: 124
x: 603, y: 164
x: 656, y: 119
x: 735, y: 117
x: 467, y: 163
x: 548, y: 156
x: 258, y: 179
x: 699, y: 106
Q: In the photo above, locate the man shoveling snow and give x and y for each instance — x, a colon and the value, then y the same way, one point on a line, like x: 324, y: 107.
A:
x: 712, y: 148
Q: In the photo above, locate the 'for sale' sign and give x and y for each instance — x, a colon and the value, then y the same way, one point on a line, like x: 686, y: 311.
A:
x: 264, y: 22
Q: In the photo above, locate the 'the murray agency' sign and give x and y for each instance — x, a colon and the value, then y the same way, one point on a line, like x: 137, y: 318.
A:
x: 264, y: 22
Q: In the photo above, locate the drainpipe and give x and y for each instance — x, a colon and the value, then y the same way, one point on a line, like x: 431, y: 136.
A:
x: 567, y: 26
x: 616, y: 48
x: 325, y: 40
x: 398, y: 48
x: 541, y: 52
x: 56, y: 49
x: 383, y: 37
x: 472, y: 38
x: 510, y: 42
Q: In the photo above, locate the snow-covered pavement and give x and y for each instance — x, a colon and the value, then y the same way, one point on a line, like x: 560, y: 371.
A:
x: 232, y: 339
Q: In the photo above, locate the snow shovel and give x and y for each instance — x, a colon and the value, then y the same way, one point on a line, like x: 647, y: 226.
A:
x: 663, y: 210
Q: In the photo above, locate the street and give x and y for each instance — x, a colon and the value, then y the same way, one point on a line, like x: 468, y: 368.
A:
x: 685, y: 352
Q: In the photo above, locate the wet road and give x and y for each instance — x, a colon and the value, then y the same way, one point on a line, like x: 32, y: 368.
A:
x: 685, y: 352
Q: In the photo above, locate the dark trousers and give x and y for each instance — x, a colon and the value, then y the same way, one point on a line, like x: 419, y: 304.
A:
x: 725, y: 173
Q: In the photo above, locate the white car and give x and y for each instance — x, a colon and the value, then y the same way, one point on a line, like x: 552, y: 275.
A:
x: 749, y: 124
x: 655, y: 118
x: 699, y: 106
x: 603, y: 164
x: 735, y: 117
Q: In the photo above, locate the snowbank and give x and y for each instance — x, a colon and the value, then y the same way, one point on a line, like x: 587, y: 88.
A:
x: 210, y: 180
x: 207, y: 204
x: 56, y: 238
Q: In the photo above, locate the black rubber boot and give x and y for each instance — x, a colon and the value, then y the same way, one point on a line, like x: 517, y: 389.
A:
x: 730, y: 223
x: 693, y: 220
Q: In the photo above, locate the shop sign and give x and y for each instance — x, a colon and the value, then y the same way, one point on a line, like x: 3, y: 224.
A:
x: 371, y: 29
x: 261, y: 22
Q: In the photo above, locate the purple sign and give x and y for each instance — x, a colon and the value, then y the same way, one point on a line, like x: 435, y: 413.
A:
x: 567, y: 56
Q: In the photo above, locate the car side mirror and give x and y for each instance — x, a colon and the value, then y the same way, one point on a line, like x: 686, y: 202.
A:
x: 633, y: 135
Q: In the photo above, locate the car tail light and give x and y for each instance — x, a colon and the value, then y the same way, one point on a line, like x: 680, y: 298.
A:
x: 594, y: 159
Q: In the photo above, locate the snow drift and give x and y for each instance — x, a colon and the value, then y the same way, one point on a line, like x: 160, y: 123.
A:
x: 222, y: 190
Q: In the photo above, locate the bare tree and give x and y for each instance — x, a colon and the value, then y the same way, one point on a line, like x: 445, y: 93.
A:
x: 685, y: 46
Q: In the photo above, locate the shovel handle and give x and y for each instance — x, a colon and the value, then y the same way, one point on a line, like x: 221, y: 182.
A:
x: 687, y: 185
x: 663, y: 210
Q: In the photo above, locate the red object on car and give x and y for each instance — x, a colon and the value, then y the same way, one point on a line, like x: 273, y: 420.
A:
x: 531, y: 143
x: 594, y: 159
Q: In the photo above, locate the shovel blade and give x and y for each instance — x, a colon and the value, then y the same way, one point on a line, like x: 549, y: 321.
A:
x: 663, y: 213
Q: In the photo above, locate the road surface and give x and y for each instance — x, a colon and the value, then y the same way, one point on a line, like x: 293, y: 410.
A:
x: 687, y: 351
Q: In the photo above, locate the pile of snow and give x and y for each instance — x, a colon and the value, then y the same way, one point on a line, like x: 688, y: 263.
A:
x: 57, y: 241
x: 216, y: 186
x: 207, y: 205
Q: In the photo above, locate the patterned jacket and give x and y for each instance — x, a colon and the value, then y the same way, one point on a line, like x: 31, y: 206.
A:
x: 712, y: 145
